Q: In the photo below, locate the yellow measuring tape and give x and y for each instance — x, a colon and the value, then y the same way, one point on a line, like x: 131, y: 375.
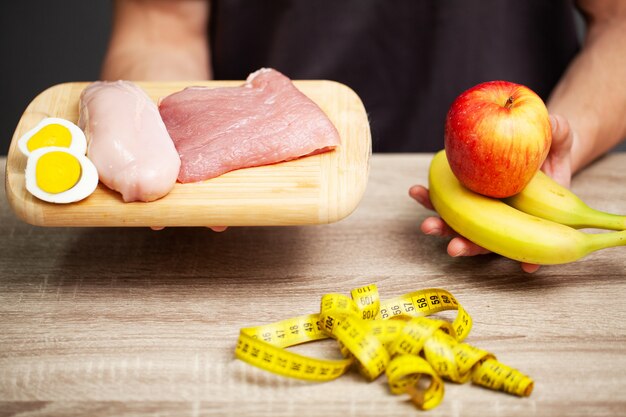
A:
x: 392, y: 336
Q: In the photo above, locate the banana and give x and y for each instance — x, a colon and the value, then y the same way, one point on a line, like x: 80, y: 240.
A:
x: 545, y: 198
x: 505, y: 230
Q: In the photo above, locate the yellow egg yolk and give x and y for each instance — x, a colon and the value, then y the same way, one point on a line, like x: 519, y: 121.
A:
x: 50, y: 135
x: 57, y: 172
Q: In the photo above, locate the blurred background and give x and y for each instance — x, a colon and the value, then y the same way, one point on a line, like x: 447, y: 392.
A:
x: 44, y: 43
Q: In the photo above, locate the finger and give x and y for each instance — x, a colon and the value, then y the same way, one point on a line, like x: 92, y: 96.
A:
x: 459, y: 246
x: 561, y: 134
x: 530, y: 268
x: 214, y: 228
x: 435, y: 226
x: 558, y: 163
x: 420, y: 194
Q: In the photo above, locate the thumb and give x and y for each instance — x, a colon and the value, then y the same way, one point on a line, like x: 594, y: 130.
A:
x: 562, y: 137
x: 558, y: 163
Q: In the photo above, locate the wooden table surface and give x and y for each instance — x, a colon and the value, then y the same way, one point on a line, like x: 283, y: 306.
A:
x: 131, y: 321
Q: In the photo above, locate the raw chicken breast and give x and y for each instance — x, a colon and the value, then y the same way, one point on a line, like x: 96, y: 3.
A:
x: 264, y: 121
x: 127, y: 140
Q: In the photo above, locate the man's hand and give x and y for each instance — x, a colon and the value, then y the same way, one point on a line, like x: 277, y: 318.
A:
x: 214, y: 228
x: 158, y: 40
x: 557, y: 165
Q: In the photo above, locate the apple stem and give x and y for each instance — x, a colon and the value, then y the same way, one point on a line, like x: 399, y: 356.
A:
x: 509, y: 102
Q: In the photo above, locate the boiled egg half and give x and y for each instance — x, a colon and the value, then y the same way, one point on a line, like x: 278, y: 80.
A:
x: 53, y: 131
x: 60, y: 174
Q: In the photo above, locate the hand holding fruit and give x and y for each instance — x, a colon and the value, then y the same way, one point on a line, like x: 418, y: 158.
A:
x: 485, y: 102
x: 557, y: 164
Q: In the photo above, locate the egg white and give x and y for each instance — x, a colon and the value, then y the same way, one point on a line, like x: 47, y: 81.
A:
x: 85, y: 186
x: 78, y: 144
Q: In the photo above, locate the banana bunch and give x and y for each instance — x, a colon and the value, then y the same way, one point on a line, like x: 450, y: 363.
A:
x: 535, y: 226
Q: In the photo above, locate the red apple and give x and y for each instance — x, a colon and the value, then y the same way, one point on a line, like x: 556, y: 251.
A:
x: 497, y: 135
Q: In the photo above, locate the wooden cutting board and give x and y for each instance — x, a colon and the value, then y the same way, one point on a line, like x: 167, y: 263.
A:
x: 317, y: 189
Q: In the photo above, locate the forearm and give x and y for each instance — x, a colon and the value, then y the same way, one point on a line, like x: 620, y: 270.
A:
x: 158, y: 40
x: 148, y: 63
x: 592, y: 93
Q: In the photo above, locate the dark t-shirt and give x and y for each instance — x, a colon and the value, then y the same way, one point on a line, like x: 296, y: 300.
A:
x: 407, y: 59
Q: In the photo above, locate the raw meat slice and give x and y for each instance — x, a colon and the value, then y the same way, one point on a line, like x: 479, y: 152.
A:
x: 264, y: 121
x: 127, y: 140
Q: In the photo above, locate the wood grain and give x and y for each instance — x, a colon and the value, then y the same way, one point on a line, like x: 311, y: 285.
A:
x: 132, y: 322
x: 317, y: 189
